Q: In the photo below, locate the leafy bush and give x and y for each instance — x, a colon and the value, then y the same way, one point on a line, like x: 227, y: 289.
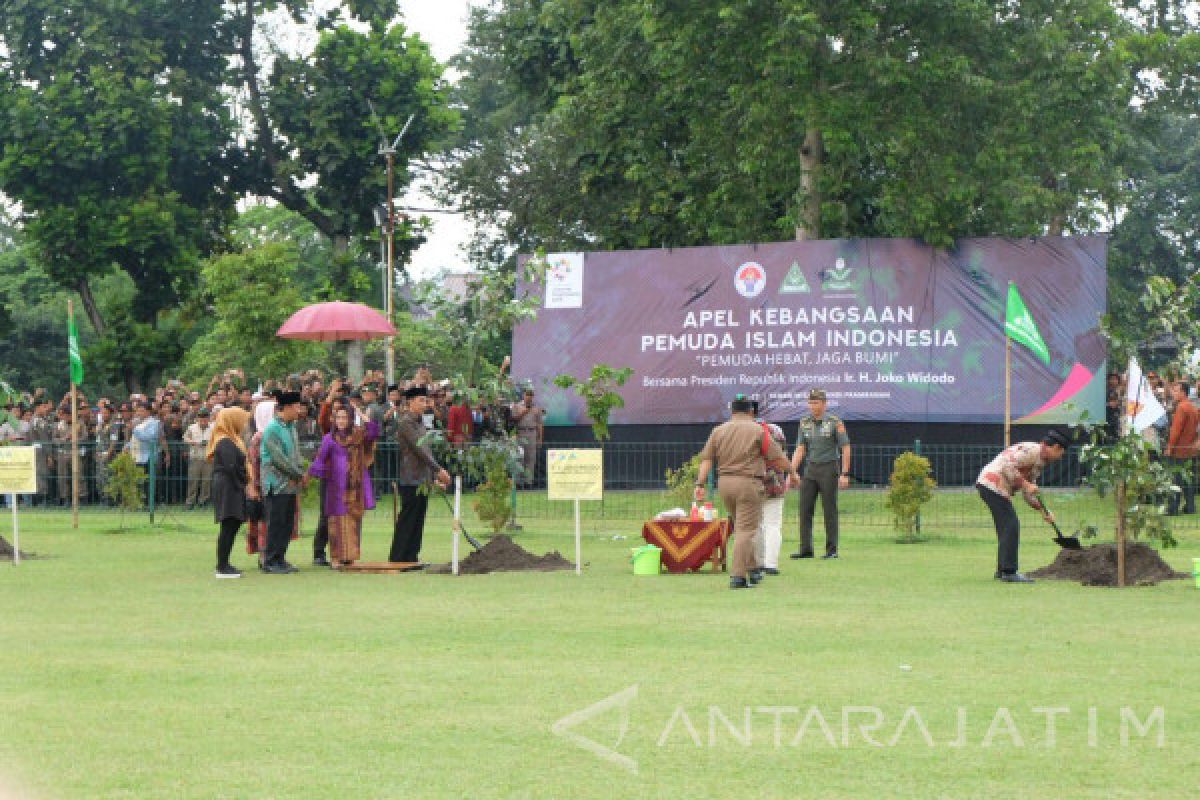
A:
x: 681, y: 482
x: 493, y: 497
x: 911, y: 487
x: 125, y: 482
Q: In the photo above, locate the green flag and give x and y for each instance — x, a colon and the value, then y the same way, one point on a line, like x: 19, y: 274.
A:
x: 1020, y: 327
x: 73, y: 351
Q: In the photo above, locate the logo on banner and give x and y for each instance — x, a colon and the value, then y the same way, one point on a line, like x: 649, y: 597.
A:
x: 795, y: 282
x: 750, y: 279
x: 838, y: 279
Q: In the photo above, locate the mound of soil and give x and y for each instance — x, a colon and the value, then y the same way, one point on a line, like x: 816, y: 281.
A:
x: 502, y: 554
x: 1097, y: 566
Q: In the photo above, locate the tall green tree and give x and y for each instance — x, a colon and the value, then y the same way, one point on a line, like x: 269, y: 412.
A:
x: 250, y: 294
x: 1158, y: 233
x: 314, y: 141
x: 655, y: 122
x: 115, y: 139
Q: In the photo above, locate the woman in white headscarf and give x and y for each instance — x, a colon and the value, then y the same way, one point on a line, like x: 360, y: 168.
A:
x: 256, y: 521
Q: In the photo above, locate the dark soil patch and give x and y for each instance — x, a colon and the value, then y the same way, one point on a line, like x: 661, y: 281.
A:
x: 502, y: 554
x: 1097, y: 566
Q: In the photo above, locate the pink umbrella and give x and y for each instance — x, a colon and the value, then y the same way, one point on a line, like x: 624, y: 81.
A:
x: 336, y: 321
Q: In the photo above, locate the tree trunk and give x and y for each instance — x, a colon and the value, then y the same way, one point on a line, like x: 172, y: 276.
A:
x: 90, y: 307
x: 1121, y: 501
x: 354, y: 360
x: 812, y: 158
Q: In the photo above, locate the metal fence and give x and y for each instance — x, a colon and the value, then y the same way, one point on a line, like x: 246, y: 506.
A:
x: 634, y: 477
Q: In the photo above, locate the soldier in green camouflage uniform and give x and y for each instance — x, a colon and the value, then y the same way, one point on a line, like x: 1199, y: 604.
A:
x: 824, y: 448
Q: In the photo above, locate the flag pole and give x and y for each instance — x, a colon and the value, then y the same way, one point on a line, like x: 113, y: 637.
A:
x: 1007, y: 389
x: 74, y: 434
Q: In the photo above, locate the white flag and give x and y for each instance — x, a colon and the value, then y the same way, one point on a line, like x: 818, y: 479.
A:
x: 1142, y: 408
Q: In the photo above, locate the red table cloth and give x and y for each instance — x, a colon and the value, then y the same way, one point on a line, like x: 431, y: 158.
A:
x: 687, y: 545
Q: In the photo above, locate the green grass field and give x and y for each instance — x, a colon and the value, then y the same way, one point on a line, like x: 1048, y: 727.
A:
x: 128, y: 671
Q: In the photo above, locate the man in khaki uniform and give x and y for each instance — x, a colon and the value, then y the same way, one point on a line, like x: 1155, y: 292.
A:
x: 200, y: 469
x: 736, y: 447
x: 529, y: 420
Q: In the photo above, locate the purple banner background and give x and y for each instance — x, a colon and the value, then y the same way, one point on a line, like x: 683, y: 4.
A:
x: 933, y: 351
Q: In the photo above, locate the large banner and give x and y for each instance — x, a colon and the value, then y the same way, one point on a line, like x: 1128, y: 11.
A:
x: 891, y: 329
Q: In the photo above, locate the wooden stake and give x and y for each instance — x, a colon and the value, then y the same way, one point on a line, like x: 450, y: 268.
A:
x: 1121, y: 498
x: 578, y: 540
x: 16, y: 559
x: 457, y: 524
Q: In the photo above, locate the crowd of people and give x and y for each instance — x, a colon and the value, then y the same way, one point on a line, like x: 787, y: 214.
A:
x: 1174, y: 436
x: 249, y: 452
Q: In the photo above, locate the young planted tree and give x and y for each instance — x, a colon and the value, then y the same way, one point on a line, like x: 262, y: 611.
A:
x: 599, y: 393
x: 125, y: 483
x: 1128, y: 466
x: 910, y: 488
x: 490, y: 466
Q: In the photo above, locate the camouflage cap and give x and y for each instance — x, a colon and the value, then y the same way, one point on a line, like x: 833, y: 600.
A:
x: 817, y: 394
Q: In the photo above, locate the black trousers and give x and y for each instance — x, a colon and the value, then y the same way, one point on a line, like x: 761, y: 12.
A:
x: 1187, y: 487
x: 1008, y: 529
x: 410, y: 525
x: 281, y: 519
x: 819, y: 479
x: 225, y: 539
x: 321, y: 537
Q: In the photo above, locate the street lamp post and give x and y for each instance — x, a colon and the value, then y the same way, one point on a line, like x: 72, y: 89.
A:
x: 389, y: 154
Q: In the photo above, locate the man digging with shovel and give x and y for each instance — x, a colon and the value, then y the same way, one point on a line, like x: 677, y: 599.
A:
x: 1016, y: 469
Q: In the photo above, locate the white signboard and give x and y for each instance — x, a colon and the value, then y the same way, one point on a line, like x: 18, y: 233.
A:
x: 564, y: 280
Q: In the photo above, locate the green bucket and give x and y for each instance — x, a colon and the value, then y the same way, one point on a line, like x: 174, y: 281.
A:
x: 1196, y: 571
x: 647, y: 560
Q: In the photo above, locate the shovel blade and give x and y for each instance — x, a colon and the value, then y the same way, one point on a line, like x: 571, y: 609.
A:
x: 1068, y: 542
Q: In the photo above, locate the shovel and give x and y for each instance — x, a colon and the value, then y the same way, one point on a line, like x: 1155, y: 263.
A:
x: 1065, y: 542
x: 474, y: 542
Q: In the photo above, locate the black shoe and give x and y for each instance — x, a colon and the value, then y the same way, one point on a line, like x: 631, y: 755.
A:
x: 1016, y: 577
x: 769, y: 571
x: 321, y: 561
x: 754, y: 576
x: 801, y: 555
x: 228, y: 571
x: 740, y: 583
x: 276, y: 569
x: 289, y: 567
x: 828, y: 556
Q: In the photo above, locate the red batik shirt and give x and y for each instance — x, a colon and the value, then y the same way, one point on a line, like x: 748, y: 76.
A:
x: 1013, y: 470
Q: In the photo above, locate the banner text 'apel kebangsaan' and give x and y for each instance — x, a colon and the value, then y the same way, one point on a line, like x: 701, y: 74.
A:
x: 890, y: 328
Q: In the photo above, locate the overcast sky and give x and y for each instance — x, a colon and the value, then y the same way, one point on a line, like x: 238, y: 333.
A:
x: 443, y: 24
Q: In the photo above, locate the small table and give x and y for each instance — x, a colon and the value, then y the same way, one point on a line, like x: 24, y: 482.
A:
x: 687, y: 544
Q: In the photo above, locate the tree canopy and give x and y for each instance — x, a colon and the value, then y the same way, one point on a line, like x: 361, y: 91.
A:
x: 635, y: 123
